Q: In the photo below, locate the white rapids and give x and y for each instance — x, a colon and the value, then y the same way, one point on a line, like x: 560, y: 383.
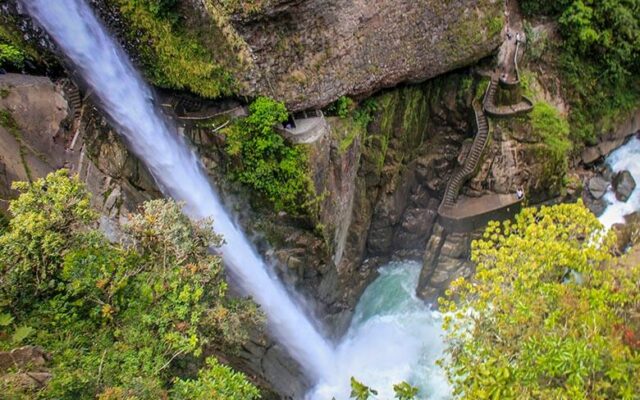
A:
x: 394, y: 337
x: 627, y: 157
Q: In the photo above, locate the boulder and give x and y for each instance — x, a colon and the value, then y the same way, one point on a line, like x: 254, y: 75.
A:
x: 23, y: 357
x: 598, y: 186
x: 623, y: 185
x: 597, y: 206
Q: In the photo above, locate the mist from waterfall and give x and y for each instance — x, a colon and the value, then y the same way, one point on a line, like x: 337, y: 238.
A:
x: 394, y: 337
x: 129, y: 102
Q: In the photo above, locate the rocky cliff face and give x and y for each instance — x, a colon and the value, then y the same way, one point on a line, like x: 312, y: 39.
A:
x: 310, y: 52
x: 46, y: 126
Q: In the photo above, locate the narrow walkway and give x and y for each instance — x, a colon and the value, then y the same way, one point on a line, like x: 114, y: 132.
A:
x: 472, y: 160
x: 189, y: 109
x: 471, y: 213
x: 467, y: 213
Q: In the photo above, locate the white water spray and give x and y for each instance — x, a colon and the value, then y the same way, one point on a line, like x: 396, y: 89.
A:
x: 394, y: 337
x: 626, y: 157
x: 129, y: 102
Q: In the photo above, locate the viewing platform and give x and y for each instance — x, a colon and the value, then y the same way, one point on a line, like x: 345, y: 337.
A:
x: 304, y: 127
x: 471, y: 213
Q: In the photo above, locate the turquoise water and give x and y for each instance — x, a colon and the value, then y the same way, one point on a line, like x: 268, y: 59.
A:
x: 393, y: 337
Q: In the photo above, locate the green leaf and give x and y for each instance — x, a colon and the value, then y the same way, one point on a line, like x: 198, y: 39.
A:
x: 21, y: 334
x: 5, y: 319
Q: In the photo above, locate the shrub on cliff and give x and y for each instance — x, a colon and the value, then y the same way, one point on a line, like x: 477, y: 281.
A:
x: 553, y: 129
x: 118, y: 318
x: 265, y: 161
x: 547, y: 315
x: 599, y: 58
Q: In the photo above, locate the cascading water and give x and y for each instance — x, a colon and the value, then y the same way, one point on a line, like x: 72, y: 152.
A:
x: 128, y: 101
x: 393, y: 337
x: 624, y: 158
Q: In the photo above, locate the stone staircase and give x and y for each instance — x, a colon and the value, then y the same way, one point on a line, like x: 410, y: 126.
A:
x: 74, y: 97
x: 475, y: 153
x: 490, y: 95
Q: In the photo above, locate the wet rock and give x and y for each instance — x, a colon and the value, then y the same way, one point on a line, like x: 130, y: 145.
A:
x: 597, y: 206
x: 446, y: 258
x: 598, y: 186
x: 623, y: 185
x: 606, y: 172
x: 627, y: 234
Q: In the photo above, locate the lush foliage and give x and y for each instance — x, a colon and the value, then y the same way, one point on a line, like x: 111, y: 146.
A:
x: 599, y: 58
x: 162, y: 8
x: 177, y: 55
x: 547, y: 315
x: 118, y: 318
x: 266, y: 162
x: 11, y: 55
x: 342, y: 107
x: 215, y: 382
x: 553, y: 129
x: 402, y: 391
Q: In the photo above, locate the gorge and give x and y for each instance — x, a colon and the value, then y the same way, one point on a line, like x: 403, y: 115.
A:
x: 349, y: 286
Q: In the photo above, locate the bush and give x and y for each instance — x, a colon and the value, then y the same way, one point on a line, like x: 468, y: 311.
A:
x: 11, y: 55
x: 116, y: 317
x: 215, y: 382
x: 553, y: 129
x: 266, y: 163
x: 547, y: 315
x: 599, y: 59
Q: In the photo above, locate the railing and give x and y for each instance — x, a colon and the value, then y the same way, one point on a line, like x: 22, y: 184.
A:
x: 515, y: 61
x: 473, y: 158
x: 213, y: 114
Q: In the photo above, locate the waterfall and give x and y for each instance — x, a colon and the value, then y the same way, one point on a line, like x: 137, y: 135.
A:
x: 129, y: 102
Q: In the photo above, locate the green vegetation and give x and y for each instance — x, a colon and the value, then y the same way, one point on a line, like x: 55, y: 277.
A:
x: 11, y: 55
x: 119, y: 319
x: 360, y: 391
x: 342, y: 107
x: 14, y: 49
x: 215, y: 382
x: 362, y: 114
x: 266, y: 162
x: 244, y: 7
x: 553, y: 129
x: 177, y: 54
x: 547, y: 315
x: 495, y: 25
x: 599, y: 59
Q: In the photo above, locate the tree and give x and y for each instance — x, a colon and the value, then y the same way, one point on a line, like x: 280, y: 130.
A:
x: 265, y: 162
x: 548, y: 315
x: 118, y: 318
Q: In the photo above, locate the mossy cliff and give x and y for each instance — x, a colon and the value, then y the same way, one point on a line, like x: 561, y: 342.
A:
x: 306, y: 53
